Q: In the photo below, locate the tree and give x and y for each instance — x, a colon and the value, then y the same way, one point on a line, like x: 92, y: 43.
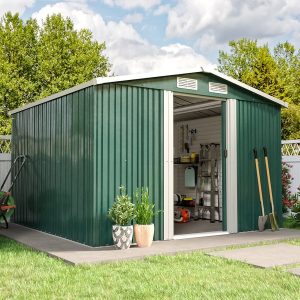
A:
x: 17, y: 84
x: 37, y: 61
x: 274, y: 73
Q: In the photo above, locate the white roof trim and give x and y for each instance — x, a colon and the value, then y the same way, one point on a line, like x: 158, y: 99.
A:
x: 103, y: 80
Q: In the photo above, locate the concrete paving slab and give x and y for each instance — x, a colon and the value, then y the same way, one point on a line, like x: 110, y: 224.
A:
x: 76, y: 253
x: 295, y: 271
x: 266, y: 256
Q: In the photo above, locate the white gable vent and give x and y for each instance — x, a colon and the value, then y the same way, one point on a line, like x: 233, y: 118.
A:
x: 219, y: 88
x: 187, y: 83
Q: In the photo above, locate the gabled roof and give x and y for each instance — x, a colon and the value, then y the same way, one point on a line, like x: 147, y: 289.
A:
x: 123, y: 78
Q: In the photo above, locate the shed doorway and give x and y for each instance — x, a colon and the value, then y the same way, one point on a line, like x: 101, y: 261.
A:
x: 197, y: 186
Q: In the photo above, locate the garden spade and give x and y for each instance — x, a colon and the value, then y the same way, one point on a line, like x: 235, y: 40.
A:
x: 261, y: 219
x: 272, y: 216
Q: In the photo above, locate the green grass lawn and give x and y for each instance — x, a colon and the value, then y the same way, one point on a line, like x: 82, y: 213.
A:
x: 27, y: 274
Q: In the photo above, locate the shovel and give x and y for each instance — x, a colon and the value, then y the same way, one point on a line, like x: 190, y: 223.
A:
x: 261, y: 219
x: 272, y: 216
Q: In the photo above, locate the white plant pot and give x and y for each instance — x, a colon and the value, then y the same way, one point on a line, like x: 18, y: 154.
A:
x: 144, y: 234
x: 122, y: 236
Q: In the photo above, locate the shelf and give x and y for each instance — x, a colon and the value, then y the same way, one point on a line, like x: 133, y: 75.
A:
x: 187, y: 206
x: 209, y: 206
x: 190, y: 164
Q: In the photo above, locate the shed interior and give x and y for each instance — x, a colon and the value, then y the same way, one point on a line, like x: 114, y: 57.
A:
x: 197, y: 165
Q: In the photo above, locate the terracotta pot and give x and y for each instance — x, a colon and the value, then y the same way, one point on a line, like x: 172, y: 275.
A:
x: 144, y: 234
x: 122, y: 236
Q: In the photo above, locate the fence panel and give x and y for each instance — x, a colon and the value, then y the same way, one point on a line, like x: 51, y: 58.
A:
x: 5, y: 159
x: 291, y: 154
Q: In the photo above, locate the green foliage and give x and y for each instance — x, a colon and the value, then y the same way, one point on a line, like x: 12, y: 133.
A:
x: 144, y: 207
x: 275, y: 72
x: 286, y: 181
x: 37, y: 61
x: 291, y: 122
x: 123, y: 210
x: 294, y: 220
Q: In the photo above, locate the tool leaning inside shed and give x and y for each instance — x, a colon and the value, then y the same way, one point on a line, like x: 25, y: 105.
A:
x: 7, y: 202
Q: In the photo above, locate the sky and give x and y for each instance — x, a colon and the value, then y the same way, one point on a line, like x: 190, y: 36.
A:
x: 157, y: 35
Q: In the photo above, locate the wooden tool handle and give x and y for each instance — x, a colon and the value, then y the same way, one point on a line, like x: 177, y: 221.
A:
x: 259, y: 183
x: 269, y: 184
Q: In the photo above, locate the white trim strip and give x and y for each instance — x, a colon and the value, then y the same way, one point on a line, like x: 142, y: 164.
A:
x: 168, y: 166
x: 196, y: 107
x: 103, y: 80
x: 198, y: 96
x: 199, y: 235
x: 290, y: 142
x: 231, y: 166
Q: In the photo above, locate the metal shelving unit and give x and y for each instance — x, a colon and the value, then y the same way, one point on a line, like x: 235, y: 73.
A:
x: 208, y: 175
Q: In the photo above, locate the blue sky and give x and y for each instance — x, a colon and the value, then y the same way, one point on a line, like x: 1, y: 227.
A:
x: 154, y: 35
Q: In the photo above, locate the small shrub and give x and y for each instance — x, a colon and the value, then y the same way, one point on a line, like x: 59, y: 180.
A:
x: 294, y: 220
x: 144, y: 207
x: 123, y: 210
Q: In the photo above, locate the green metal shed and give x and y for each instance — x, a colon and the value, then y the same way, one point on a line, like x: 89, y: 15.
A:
x: 84, y: 142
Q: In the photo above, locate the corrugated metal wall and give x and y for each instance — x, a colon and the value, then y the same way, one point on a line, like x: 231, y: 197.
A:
x: 258, y: 126
x: 55, y: 190
x: 129, y: 150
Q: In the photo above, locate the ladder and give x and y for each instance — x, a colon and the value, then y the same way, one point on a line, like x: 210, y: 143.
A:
x: 208, y: 176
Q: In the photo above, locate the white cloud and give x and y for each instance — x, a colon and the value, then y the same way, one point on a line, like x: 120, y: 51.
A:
x: 162, y: 9
x: 129, y: 53
x: 174, y: 57
x: 129, y: 4
x: 215, y: 22
x: 15, y: 6
x: 133, y: 18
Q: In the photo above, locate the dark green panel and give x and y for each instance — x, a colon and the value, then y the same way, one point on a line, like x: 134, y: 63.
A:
x: 129, y: 150
x: 258, y: 126
x: 55, y: 189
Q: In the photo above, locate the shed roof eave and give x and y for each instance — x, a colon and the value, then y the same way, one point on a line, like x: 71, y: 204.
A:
x: 55, y: 96
x: 123, y: 78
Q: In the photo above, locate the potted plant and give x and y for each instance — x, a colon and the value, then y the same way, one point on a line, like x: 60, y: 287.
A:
x: 122, y: 213
x: 144, y: 213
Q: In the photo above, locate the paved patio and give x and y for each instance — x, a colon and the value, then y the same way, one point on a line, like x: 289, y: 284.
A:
x: 76, y: 253
x: 295, y: 271
x: 264, y: 256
